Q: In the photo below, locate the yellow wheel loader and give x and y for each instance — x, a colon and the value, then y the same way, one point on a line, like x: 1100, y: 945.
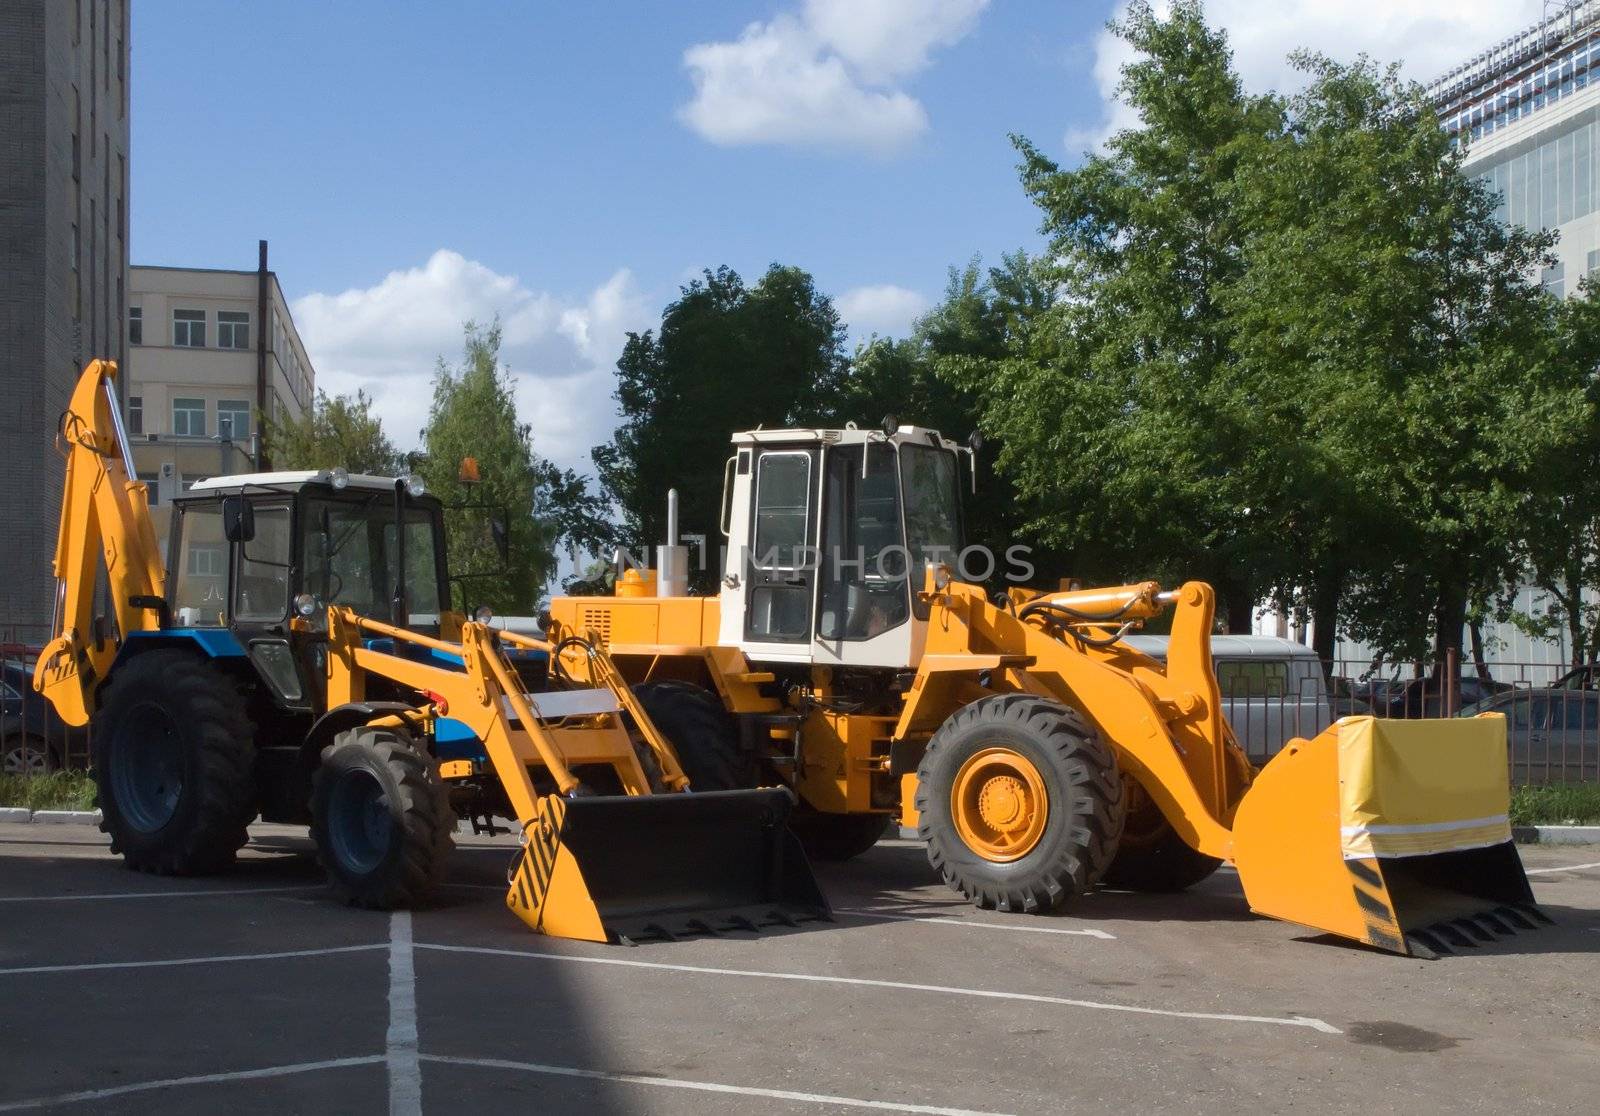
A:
x: 251, y: 675
x: 848, y: 655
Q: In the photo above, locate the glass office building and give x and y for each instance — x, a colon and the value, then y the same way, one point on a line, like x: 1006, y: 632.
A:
x: 1527, y: 112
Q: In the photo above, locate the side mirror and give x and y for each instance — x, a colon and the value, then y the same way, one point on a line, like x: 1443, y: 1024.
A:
x: 238, y: 519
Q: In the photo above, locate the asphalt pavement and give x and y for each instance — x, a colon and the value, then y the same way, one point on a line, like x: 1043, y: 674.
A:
x: 255, y: 992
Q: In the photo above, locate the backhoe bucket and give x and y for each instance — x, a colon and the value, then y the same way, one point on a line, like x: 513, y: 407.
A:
x: 631, y: 868
x: 1394, y: 833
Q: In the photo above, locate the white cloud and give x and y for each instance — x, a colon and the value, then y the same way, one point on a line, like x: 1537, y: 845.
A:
x: 827, y: 77
x: 884, y: 309
x: 1427, y: 36
x: 386, y: 338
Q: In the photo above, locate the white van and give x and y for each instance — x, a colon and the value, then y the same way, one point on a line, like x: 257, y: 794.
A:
x: 1273, y: 690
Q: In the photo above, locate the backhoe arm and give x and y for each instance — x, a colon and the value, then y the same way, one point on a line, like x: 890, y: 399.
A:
x: 105, y: 518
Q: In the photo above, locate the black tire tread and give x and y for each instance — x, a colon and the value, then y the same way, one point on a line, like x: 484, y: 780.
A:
x: 699, y: 729
x: 1164, y: 863
x: 836, y: 837
x: 214, y: 708
x: 1086, y: 763
x: 428, y: 820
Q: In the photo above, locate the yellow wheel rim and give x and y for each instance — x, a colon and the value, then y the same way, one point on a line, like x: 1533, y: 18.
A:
x: 999, y: 804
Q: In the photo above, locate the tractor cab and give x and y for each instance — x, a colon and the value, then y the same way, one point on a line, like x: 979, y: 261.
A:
x: 830, y: 534
x: 252, y: 551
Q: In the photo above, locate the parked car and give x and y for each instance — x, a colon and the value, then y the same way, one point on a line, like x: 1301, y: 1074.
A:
x: 1586, y: 677
x: 33, y: 739
x: 1424, y: 697
x: 1553, y: 735
x: 1273, y: 690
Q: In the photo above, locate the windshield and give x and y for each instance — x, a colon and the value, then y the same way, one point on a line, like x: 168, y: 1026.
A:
x: 932, y: 508
x: 349, y: 556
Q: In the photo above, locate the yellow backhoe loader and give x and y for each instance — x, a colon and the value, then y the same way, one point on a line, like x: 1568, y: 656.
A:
x: 249, y: 675
x: 1036, y: 752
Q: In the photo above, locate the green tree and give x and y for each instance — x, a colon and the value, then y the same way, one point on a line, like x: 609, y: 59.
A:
x: 1116, y: 414
x: 1410, y: 360
x: 726, y: 357
x: 337, y: 431
x: 474, y: 414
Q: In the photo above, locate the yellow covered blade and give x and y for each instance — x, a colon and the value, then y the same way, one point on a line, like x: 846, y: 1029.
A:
x: 1394, y: 833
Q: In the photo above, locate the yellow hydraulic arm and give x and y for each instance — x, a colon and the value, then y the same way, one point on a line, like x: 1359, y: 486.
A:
x: 104, y: 518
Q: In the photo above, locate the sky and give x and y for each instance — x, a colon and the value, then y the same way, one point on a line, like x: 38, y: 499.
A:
x: 568, y: 167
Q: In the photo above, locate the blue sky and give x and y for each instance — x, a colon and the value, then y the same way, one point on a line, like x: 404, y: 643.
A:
x: 569, y: 165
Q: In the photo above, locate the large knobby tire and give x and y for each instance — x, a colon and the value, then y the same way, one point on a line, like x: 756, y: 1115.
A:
x: 836, y: 836
x: 1151, y: 855
x: 701, y: 732
x: 1020, y: 802
x: 173, y: 756
x: 381, y: 818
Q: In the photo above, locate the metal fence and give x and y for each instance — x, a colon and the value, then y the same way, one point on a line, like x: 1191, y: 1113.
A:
x: 33, y: 739
x: 1552, y: 713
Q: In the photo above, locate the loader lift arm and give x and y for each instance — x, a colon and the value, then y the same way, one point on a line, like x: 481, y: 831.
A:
x: 104, y: 518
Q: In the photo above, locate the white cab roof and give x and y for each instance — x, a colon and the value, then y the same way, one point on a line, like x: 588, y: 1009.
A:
x: 238, y: 482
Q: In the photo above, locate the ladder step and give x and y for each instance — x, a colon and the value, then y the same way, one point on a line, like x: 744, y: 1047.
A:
x: 754, y: 677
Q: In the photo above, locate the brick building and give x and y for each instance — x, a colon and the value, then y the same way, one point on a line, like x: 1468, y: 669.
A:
x: 63, y: 258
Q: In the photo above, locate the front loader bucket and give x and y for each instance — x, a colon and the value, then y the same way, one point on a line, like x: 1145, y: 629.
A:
x: 630, y: 868
x: 1394, y: 833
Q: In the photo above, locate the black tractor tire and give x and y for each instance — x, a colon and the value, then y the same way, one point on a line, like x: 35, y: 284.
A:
x: 381, y: 818
x: 1151, y: 855
x: 1081, y: 783
x: 836, y: 836
x: 699, y: 729
x: 173, y: 764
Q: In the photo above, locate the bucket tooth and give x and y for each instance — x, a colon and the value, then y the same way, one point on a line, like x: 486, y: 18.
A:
x: 1424, y: 945
x: 1534, y: 913
x: 1495, y: 922
x: 1469, y: 926
x: 1446, y: 932
x: 1516, y: 918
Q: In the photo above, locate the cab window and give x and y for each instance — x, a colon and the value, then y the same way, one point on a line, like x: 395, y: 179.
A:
x: 200, y: 569
x: 262, y: 594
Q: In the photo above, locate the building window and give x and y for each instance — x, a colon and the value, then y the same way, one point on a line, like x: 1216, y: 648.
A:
x: 233, y: 329
x: 233, y: 419
x: 205, y: 561
x: 1594, y: 262
x: 189, y: 329
x: 1553, y: 280
x: 189, y: 417
x: 152, y: 486
x: 135, y: 414
x: 136, y: 325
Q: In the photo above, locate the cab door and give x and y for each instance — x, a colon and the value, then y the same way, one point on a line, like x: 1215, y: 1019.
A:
x: 780, y: 564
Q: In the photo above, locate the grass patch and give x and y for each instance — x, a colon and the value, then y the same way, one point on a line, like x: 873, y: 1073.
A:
x: 59, y: 790
x: 1572, y: 804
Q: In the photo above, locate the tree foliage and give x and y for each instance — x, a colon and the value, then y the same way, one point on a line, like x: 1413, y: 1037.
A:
x: 474, y: 414
x: 726, y: 357
x: 340, y: 431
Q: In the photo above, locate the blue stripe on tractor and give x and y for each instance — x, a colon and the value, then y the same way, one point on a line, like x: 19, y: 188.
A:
x: 454, y: 740
x: 215, y: 643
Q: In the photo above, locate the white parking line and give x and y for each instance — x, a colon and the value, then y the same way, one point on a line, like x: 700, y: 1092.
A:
x: 706, y: 1086
x: 187, y: 894
x: 400, y: 1049
x: 972, y: 924
x: 1563, y: 868
x: 983, y: 993
x: 197, y: 1079
x: 213, y: 960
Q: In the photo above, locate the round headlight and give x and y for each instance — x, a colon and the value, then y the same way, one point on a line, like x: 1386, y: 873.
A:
x: 941, y: 577
x: 306, y: 605
x: 484, y: 614
x: 339, y: 477
x: 414, y: 485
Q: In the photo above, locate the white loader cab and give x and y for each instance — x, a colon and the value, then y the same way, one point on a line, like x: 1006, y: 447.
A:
x: 829, y: 532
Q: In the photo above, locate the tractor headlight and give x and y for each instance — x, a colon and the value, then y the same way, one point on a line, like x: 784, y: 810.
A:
x: 339, y: 477
x: 483, y: 614
x: 305, y: 605
x: 414, y: 485
x: 941, y: 577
